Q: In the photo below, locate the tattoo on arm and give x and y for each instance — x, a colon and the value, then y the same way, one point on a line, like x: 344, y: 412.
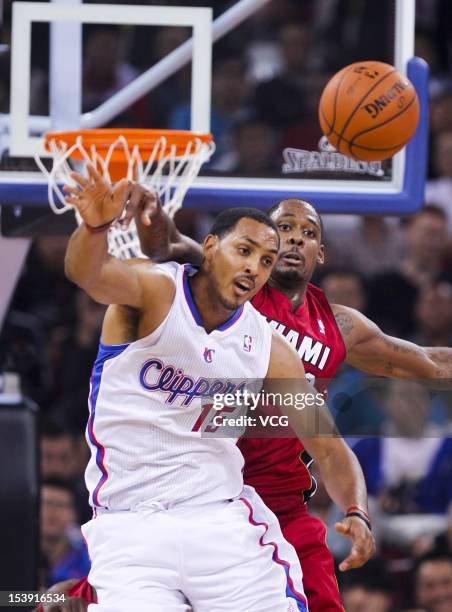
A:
x: 398, y: 346
x: 441, y: 356
x: 344, y: 322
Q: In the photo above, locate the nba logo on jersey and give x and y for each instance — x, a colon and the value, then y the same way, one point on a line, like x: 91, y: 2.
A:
x: 247, y: 342
x: 208, y: 355
x: 321, y: 326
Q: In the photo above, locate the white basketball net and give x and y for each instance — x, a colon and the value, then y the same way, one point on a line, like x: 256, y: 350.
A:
x: 165, y: 173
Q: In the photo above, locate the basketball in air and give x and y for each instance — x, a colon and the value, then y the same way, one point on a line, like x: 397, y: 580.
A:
x: 369, y: 111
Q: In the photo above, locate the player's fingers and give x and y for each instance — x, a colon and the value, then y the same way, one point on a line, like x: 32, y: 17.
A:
x: 121, y: 191
x: 134, y: 197
x: 350, y: 562
x: 343, y: 528
x: 70, y: 189
x: 72, y: 200
x: 93, y: 174
x: 151, y: 206
x: 78, y: 178
x: 78, y: 605
x: 357, y: 557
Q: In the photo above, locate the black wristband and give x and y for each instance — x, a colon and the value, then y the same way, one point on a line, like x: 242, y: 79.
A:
x: 362, y: 517
x: 99, y: 228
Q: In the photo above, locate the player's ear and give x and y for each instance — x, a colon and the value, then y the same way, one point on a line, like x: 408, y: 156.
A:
x: 210, y: 246
x: 321, y: 255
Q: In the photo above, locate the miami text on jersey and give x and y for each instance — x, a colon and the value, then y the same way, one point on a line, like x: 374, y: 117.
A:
x: 310, y: 350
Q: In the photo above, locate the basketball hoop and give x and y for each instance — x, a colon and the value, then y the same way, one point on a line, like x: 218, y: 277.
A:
x: 166, y: 161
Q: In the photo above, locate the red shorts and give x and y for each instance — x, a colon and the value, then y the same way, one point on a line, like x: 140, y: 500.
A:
x: 307, y: 535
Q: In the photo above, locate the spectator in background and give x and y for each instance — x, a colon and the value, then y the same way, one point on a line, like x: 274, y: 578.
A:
x: 440, y: 110
x: 391, y: 299
x: 288, y: 101
x: 371, y: 246
x: 230, y: 100
x: 355, y: 409
x: 173, y: 91
x: 439, y: 190
x: 433, y: 582
x: 281, y: 100
x: 434, y: 315
x: 346, y: 287
x: 75, y: 354
x: 253, y: 152
x: 396, y: 483
x: 44, y: 268
x: 59, y: 453
x: 367, y: 589
x: 61, y: 540
x: 64, y: 457
x: 105, y: 72
x: 425, y: 243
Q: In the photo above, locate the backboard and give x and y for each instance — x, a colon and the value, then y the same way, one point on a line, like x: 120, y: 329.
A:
x: 271, y: 59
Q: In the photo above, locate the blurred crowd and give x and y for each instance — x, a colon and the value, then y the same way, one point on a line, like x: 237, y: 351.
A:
x: 267, y: 78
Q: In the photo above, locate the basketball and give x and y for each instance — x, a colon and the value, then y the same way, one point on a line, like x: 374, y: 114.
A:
x: 369, y: 111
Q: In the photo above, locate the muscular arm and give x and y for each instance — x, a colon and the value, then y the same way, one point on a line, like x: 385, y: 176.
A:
x: 370, y: 350
x: 108, y: 280
x: 339, y: 466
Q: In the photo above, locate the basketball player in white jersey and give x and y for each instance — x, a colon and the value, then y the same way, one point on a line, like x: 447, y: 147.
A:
x: 172, y: 522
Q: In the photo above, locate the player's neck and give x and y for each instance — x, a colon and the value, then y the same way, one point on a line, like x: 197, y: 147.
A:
x: 211, y: 311
x: 294, y: 292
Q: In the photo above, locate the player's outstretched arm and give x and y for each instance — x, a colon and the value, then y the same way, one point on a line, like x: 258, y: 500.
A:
x: 159, y: 237
x: 370, y: 350
x: 88, y: 264
x: 339, y: 467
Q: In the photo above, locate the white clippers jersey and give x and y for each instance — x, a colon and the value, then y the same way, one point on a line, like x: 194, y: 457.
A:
x: 145, y: 407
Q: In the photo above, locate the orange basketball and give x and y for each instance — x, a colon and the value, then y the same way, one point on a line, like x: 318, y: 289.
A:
x: 369, y: 111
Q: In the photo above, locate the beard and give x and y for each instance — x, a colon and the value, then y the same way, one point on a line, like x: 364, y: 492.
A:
x: 228, y: 304
x: 288, y: 276
x: 224, y: 302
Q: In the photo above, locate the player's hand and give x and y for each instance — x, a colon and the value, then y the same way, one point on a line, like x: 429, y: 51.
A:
x: 95, y: 199
x: 143, y: 204
x: 363, y: 543
x: 72, y: 604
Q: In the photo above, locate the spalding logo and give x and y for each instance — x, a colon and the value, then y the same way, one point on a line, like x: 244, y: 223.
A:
x: 375, y: 107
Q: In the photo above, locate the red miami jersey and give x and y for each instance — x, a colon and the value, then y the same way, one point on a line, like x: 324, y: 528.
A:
x: 278, y: 468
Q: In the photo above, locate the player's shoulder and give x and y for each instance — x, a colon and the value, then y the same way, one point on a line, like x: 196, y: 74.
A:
x: 163, y: 275
x: 250, y: 310
x: 316, y: 293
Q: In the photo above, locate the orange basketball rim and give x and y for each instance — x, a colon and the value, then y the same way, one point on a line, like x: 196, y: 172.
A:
x: 106, y: 143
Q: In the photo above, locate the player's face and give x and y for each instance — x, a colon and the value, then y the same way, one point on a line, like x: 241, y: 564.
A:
x: 240, y: 263
x: 300, y: 241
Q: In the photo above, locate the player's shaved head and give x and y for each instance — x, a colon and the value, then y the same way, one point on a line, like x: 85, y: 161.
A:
x: 304, y: 204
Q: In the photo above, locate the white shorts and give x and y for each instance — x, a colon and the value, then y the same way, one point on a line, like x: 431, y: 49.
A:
x: 220, y: 557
